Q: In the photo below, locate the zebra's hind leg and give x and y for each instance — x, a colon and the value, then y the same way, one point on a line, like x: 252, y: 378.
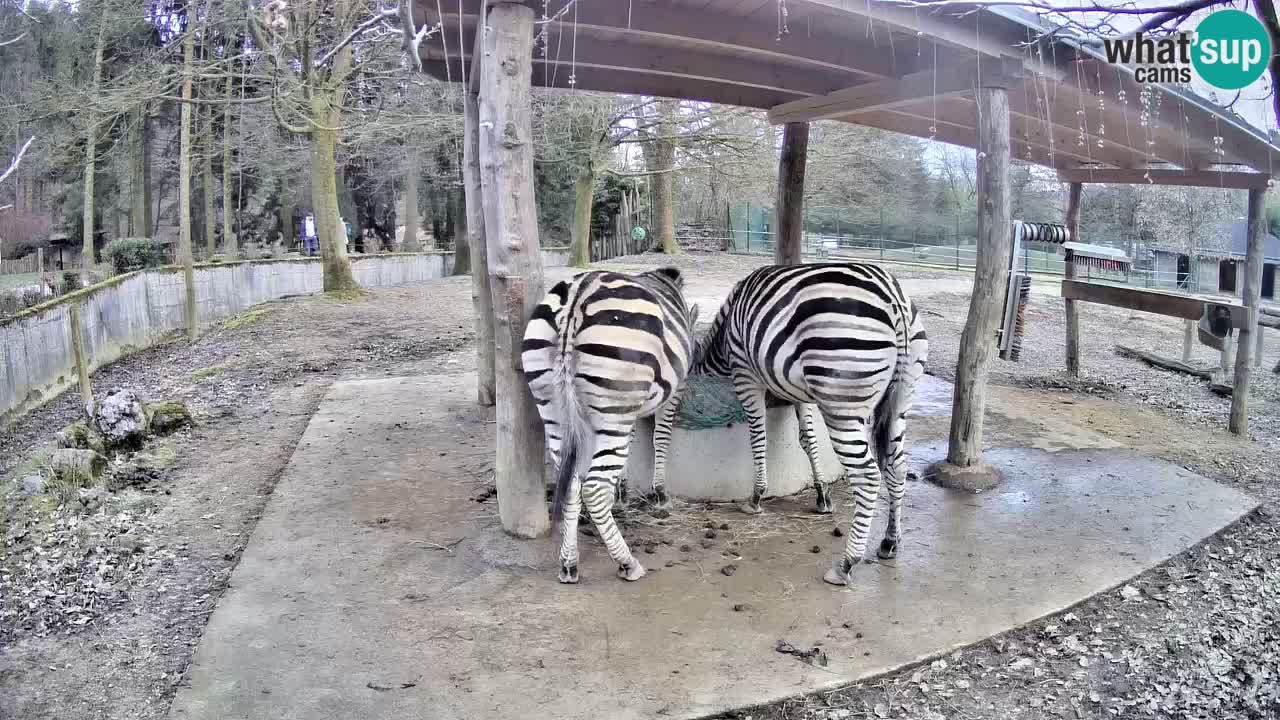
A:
x: 662, y: 423
x: 752, y: 397
x: 598, y: 493
x: 894, y: 469
x: 573, y: 499
x: 569, y: 540
x: 849, y: 438
x: 809, y: 441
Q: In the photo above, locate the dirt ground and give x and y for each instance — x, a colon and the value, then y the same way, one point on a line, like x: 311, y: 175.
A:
x: 103, y: 598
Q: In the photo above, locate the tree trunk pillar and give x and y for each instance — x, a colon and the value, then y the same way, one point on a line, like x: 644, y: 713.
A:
x: 515, y: 263
x: 790, y: 202
x: 963, y: 467
x: 184, y: 191
x: 412, y: 215
x: 1188, y: 339
x: 230, y: 245
x: 481, y: 294
x: 1075, y: 190
x: 206, y: 184
x: 580, y: 252
x: 1251, y: 294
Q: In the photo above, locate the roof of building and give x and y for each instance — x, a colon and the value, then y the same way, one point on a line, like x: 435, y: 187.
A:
x: 1240, y: 241
x: 880, y: 64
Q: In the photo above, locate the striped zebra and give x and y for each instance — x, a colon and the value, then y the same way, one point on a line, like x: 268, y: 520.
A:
x: 839, y: 336
x: 601, y: 351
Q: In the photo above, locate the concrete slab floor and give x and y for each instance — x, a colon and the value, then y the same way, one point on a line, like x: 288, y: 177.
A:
x: 375, y: 587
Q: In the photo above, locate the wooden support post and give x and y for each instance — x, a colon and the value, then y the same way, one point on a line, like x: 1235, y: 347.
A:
x: 1257, y: 353
x: 82, y: 362
x: 991, y: 276
x: 40, y: 262
x: 515, y: 265
x: 790, y: 202
x: 1251, y: 294
x: 1074, y: 192
x: 1188, y: 338
x: 1225, y: 359
x: 481, y: 294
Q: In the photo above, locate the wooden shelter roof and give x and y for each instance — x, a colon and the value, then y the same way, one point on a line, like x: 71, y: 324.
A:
x: 883, y: 65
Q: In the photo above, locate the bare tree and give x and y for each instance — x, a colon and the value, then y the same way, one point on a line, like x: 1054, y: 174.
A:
x: 17, y: 159
x: 311, y: 47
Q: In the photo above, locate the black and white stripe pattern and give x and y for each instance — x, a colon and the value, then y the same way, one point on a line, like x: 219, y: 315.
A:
x: 839, y: 336
x: 600, y: 352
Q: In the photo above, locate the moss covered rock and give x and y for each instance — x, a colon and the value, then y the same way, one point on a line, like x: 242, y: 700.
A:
x: 77, y: 468
x: 166, y: 417
x: 78, y: 436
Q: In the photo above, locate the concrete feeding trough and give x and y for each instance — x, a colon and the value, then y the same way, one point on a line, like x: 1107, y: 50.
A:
x: 714, y: 463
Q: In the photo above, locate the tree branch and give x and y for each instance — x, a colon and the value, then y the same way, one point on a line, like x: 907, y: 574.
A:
x: 17, y: 159
x: 12, y: 40
x: 1267, y: 11
x: 377, y: 19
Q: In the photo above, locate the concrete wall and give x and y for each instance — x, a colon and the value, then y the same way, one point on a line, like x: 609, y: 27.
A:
x: 135, y: 311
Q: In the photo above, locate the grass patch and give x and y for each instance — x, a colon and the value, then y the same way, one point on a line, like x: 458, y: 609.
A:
x: 159, y: 454
x: 208, y: 372
x: 247, y: 317
x: 19, y: 280
x: 348, y: 294
x: 36, y: 463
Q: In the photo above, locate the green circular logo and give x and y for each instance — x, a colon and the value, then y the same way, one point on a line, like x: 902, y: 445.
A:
x: 638, y: 233
x: 1231, y: 49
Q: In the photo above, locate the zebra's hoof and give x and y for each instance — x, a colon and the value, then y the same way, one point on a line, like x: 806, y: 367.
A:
x: 569, y: 573
x: 751, y: 508
x: 661, y: 499
x: 632, y: 572
x: 839, y: 572
x: 824, y: 501
x: 888, y: 549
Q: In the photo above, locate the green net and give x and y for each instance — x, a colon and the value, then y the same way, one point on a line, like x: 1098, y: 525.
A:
x: 708, y: 402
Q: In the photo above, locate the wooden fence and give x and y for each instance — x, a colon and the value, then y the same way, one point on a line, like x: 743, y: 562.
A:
x: 20, y: 266
x: 606, y: 246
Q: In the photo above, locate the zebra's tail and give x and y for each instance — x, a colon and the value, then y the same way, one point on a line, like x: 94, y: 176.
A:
x: 898, y: 395
x: 575, y: 433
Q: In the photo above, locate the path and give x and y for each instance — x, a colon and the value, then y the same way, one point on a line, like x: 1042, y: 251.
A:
x: 374, y: 586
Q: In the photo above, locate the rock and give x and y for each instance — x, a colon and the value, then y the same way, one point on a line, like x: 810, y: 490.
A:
x: 121, y: 419
x: 78, y: 436
x: 77, y: 467
x: 166, y: 417
x: 729, y: 570
x: 32, y: 484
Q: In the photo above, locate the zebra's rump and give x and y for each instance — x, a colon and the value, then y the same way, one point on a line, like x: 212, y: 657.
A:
x: 819, y: 332
x: 620, y: 341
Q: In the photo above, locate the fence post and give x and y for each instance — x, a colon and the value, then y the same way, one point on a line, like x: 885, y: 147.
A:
x: 40, y: 262
x: 957, y: 249
x: 82, y: 364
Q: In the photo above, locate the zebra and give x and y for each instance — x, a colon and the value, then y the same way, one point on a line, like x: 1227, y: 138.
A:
x: 845, y: 338
x: 601, y: 351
